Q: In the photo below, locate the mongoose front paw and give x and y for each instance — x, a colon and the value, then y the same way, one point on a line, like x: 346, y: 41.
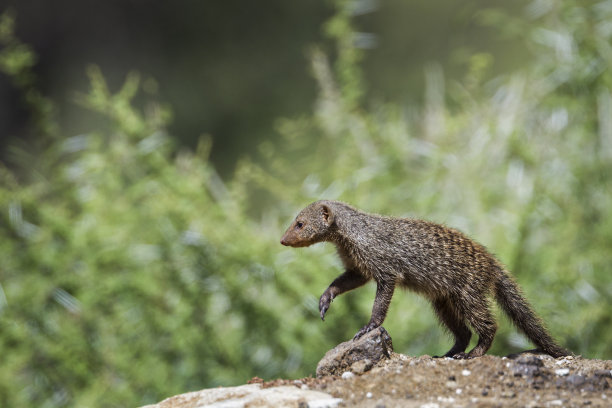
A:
x: 365, y: 329
x: 326, y: 298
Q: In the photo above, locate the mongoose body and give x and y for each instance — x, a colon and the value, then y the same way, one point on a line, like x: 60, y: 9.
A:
x: 454, y: 272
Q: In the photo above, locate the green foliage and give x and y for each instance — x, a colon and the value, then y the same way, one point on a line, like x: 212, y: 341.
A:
x: 132, y: 272
x: 17, y: 60
x: 124, y: 279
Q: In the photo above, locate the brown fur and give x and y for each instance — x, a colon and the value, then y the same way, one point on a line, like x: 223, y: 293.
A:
x: 455, y: 273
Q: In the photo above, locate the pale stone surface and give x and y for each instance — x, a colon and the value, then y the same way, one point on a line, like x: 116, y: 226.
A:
x: 250, y: 395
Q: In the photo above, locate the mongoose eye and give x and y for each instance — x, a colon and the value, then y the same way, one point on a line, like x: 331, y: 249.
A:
x: 299, y: 225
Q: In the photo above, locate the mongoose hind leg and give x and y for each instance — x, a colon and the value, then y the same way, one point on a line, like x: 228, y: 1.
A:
x: 478, y: 313
x: 451, y: 318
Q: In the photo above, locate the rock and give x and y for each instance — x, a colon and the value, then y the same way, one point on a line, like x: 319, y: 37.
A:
x: 603, y: 373
x: 531, y: 368
x: 529, y: 360
x: 373, y: 346
x: 361, y: 366
x: 404, y: 381
x: 583, y: 383
x: 251, y: 395
x: 576, y: 380
x: 508, y: 394
x: 451, y: 384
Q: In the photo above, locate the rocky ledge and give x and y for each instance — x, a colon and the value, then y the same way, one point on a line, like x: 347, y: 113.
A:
x: 367, y: 373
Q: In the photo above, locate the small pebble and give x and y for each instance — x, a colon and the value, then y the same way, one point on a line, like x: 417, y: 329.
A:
x: 576, y: 380
x: 361, y: 366
x: 562, y: 371
x: 347, y: 375
x: 603, y: 373
x: 449, y: 400
x: 369, y: 395
x: 458, y: 391
x: 465, y: 373
x: 321, y: 403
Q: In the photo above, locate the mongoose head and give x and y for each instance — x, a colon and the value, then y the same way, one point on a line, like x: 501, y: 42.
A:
x: 311, y: 225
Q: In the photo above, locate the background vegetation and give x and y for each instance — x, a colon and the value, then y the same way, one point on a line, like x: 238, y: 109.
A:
x: 131, y: 271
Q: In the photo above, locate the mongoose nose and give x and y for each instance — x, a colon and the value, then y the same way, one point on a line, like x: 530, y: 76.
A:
x: 283, y: 242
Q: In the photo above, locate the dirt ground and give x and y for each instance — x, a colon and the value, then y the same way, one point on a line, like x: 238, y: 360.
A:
x: 525, y: 380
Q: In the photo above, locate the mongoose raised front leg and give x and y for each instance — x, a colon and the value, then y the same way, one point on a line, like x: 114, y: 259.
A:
x: 384, y: 293
x: 349, y: 280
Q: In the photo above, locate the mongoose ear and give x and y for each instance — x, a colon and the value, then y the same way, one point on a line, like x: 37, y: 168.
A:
x: 328, y: 216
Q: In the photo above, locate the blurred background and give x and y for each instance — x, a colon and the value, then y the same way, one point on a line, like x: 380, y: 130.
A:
x: 152, y: 154
x: 231, y: 69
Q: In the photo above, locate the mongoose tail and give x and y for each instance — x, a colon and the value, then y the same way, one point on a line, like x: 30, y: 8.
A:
x: 514, y: 304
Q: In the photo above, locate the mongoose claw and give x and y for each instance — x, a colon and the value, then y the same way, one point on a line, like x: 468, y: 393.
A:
x: 324, y: 302
x: 365, y: 329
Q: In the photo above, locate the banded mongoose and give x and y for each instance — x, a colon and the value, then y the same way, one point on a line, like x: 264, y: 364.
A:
x: 455, y: 273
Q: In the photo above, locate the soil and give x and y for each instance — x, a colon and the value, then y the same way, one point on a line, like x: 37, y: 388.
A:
x: 524, y: 380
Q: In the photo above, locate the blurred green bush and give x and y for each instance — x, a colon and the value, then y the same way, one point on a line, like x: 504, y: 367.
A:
x: 131, y: 272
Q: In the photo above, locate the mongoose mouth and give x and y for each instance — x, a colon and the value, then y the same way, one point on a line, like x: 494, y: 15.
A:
x: 295, y: 243
x: 292, y: 244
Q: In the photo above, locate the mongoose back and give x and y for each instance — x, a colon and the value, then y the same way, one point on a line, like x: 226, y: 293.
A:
x: 455, y: 273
